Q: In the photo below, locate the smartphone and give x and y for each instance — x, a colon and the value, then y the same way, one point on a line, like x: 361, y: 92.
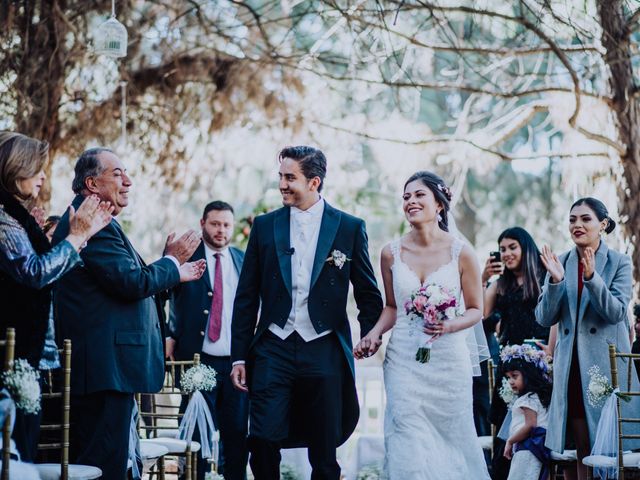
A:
x: 532, y: 342
x: 495, y: 256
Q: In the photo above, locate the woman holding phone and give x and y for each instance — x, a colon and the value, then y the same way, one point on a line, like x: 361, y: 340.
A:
x: 509, y: 309
x: 586, y: 293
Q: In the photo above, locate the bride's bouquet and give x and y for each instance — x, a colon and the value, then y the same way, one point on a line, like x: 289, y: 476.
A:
x: 428, y: 306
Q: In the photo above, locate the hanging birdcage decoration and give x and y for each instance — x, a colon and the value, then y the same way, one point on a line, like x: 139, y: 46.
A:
x: 111, y: 37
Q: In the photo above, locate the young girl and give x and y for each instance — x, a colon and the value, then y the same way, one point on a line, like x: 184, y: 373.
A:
x: 528, y: 373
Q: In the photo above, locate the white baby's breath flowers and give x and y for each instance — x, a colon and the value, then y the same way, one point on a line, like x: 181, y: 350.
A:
x: 23, y: 385
x: 199, y: 377
x: 506, y: 392
x: 369, y: 472
x: 600, y: 389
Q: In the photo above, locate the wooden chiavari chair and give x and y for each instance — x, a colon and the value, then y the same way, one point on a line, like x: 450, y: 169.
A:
x: 163, y: 419
x: 9, y: 345
x: 627, y: 462
x: 63, y: 470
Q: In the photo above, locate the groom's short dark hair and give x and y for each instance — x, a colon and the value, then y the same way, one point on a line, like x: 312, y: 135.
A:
x: 312, y: 161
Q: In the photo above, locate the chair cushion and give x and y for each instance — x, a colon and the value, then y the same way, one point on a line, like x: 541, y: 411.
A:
x: 173, y: 433
x: 175, y: 445
x: 628, y: 459
x: 51, y: 471
x: 149, y: 449
x: 486, y: 442
x: 22, y: 471
x: 566, y: 456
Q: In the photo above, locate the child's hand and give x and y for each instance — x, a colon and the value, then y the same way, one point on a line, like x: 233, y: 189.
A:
x: 508, y: 447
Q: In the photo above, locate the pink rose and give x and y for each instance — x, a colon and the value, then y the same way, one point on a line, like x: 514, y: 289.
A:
x: 419, y: 303
x: 430, y: 313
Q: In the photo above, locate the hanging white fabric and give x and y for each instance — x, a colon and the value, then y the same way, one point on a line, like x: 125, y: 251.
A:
x: 606, y: 441
x: 475, y: 336
x: 8, y: 407
x: 134, y: 443
x: 197, y: 414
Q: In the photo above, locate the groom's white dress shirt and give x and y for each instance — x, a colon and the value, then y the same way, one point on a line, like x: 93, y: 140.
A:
x: 222, y: 347
x: 304, y: 229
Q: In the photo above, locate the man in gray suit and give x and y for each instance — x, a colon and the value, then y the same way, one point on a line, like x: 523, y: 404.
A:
x: 200, y: 322
x: 109, y: 308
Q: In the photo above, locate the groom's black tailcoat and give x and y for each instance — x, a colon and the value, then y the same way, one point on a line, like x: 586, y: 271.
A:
x: 265, y: 286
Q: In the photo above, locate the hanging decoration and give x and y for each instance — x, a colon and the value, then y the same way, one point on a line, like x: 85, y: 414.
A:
x: 111, y: 37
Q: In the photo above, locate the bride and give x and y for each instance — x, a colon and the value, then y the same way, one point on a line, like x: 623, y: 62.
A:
x: 429, y: 430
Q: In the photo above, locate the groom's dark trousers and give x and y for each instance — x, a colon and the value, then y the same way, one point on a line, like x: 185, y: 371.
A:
x: 281, y: 368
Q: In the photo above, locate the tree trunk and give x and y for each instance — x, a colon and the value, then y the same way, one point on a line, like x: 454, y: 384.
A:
x: 41, y: 75
x: 616, y: 31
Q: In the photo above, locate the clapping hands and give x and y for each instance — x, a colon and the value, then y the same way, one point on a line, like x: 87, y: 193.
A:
x: 552, y: 264
x: 91, y: 217
x: 588, y: 263
x: 182, y: 248
x: 192, y: 270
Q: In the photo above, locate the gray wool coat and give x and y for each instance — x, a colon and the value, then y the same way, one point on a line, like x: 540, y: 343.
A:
x: 601, y: 320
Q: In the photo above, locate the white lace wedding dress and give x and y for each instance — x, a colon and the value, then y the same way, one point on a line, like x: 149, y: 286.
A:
x: 428, y: 428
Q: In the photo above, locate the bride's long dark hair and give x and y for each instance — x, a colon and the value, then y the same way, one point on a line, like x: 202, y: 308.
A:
x: 440, y: 191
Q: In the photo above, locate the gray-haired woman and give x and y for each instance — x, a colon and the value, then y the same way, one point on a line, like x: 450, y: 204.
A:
x: 28, y: 263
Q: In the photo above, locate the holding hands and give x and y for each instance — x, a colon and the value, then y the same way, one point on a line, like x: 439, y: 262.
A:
x: 552, y: 264
x: 368, y: 345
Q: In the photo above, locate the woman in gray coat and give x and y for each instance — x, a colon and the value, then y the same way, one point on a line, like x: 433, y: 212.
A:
x: 586, y: 292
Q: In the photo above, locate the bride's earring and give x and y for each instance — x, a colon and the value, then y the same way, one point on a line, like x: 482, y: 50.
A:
x: 439, y: 217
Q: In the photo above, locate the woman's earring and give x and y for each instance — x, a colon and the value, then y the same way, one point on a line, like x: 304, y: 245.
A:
x: 439, y: 217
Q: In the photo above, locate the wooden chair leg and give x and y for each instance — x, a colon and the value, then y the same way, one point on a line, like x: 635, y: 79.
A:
x: 194, y: 465
x: 161, y: 468
x: 187, y: 466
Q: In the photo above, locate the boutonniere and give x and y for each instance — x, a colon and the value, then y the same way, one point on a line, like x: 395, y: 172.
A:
x: 338, y: 259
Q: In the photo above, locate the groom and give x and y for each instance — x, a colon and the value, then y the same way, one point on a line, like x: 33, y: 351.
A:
x: 297, y: 364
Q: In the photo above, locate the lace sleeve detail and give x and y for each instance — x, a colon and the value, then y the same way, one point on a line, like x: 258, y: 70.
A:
x: 456, y: 248
x: 394, y: 245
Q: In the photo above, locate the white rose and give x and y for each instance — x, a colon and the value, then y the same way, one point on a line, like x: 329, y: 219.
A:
x: 450, y: 312
x: 437, y: 299
x: 432, y: 290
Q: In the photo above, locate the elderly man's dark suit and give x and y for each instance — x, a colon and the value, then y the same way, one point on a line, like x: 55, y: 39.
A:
x: 266, y: 285
x: 109, y: 308
x: 188, y: 319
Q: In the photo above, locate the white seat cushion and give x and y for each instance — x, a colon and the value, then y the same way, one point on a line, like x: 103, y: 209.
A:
x: 628, y: 459
x: 486, y: 442
x: 22, y: 471
x: 566, y: 456
x: 149, y: 449
x: 51, y: 471
x: 171, y: 433
x: 175, y: 445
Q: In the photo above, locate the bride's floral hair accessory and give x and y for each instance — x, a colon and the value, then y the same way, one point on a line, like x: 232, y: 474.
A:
x: 446, y: 190
x: 515, y: 357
